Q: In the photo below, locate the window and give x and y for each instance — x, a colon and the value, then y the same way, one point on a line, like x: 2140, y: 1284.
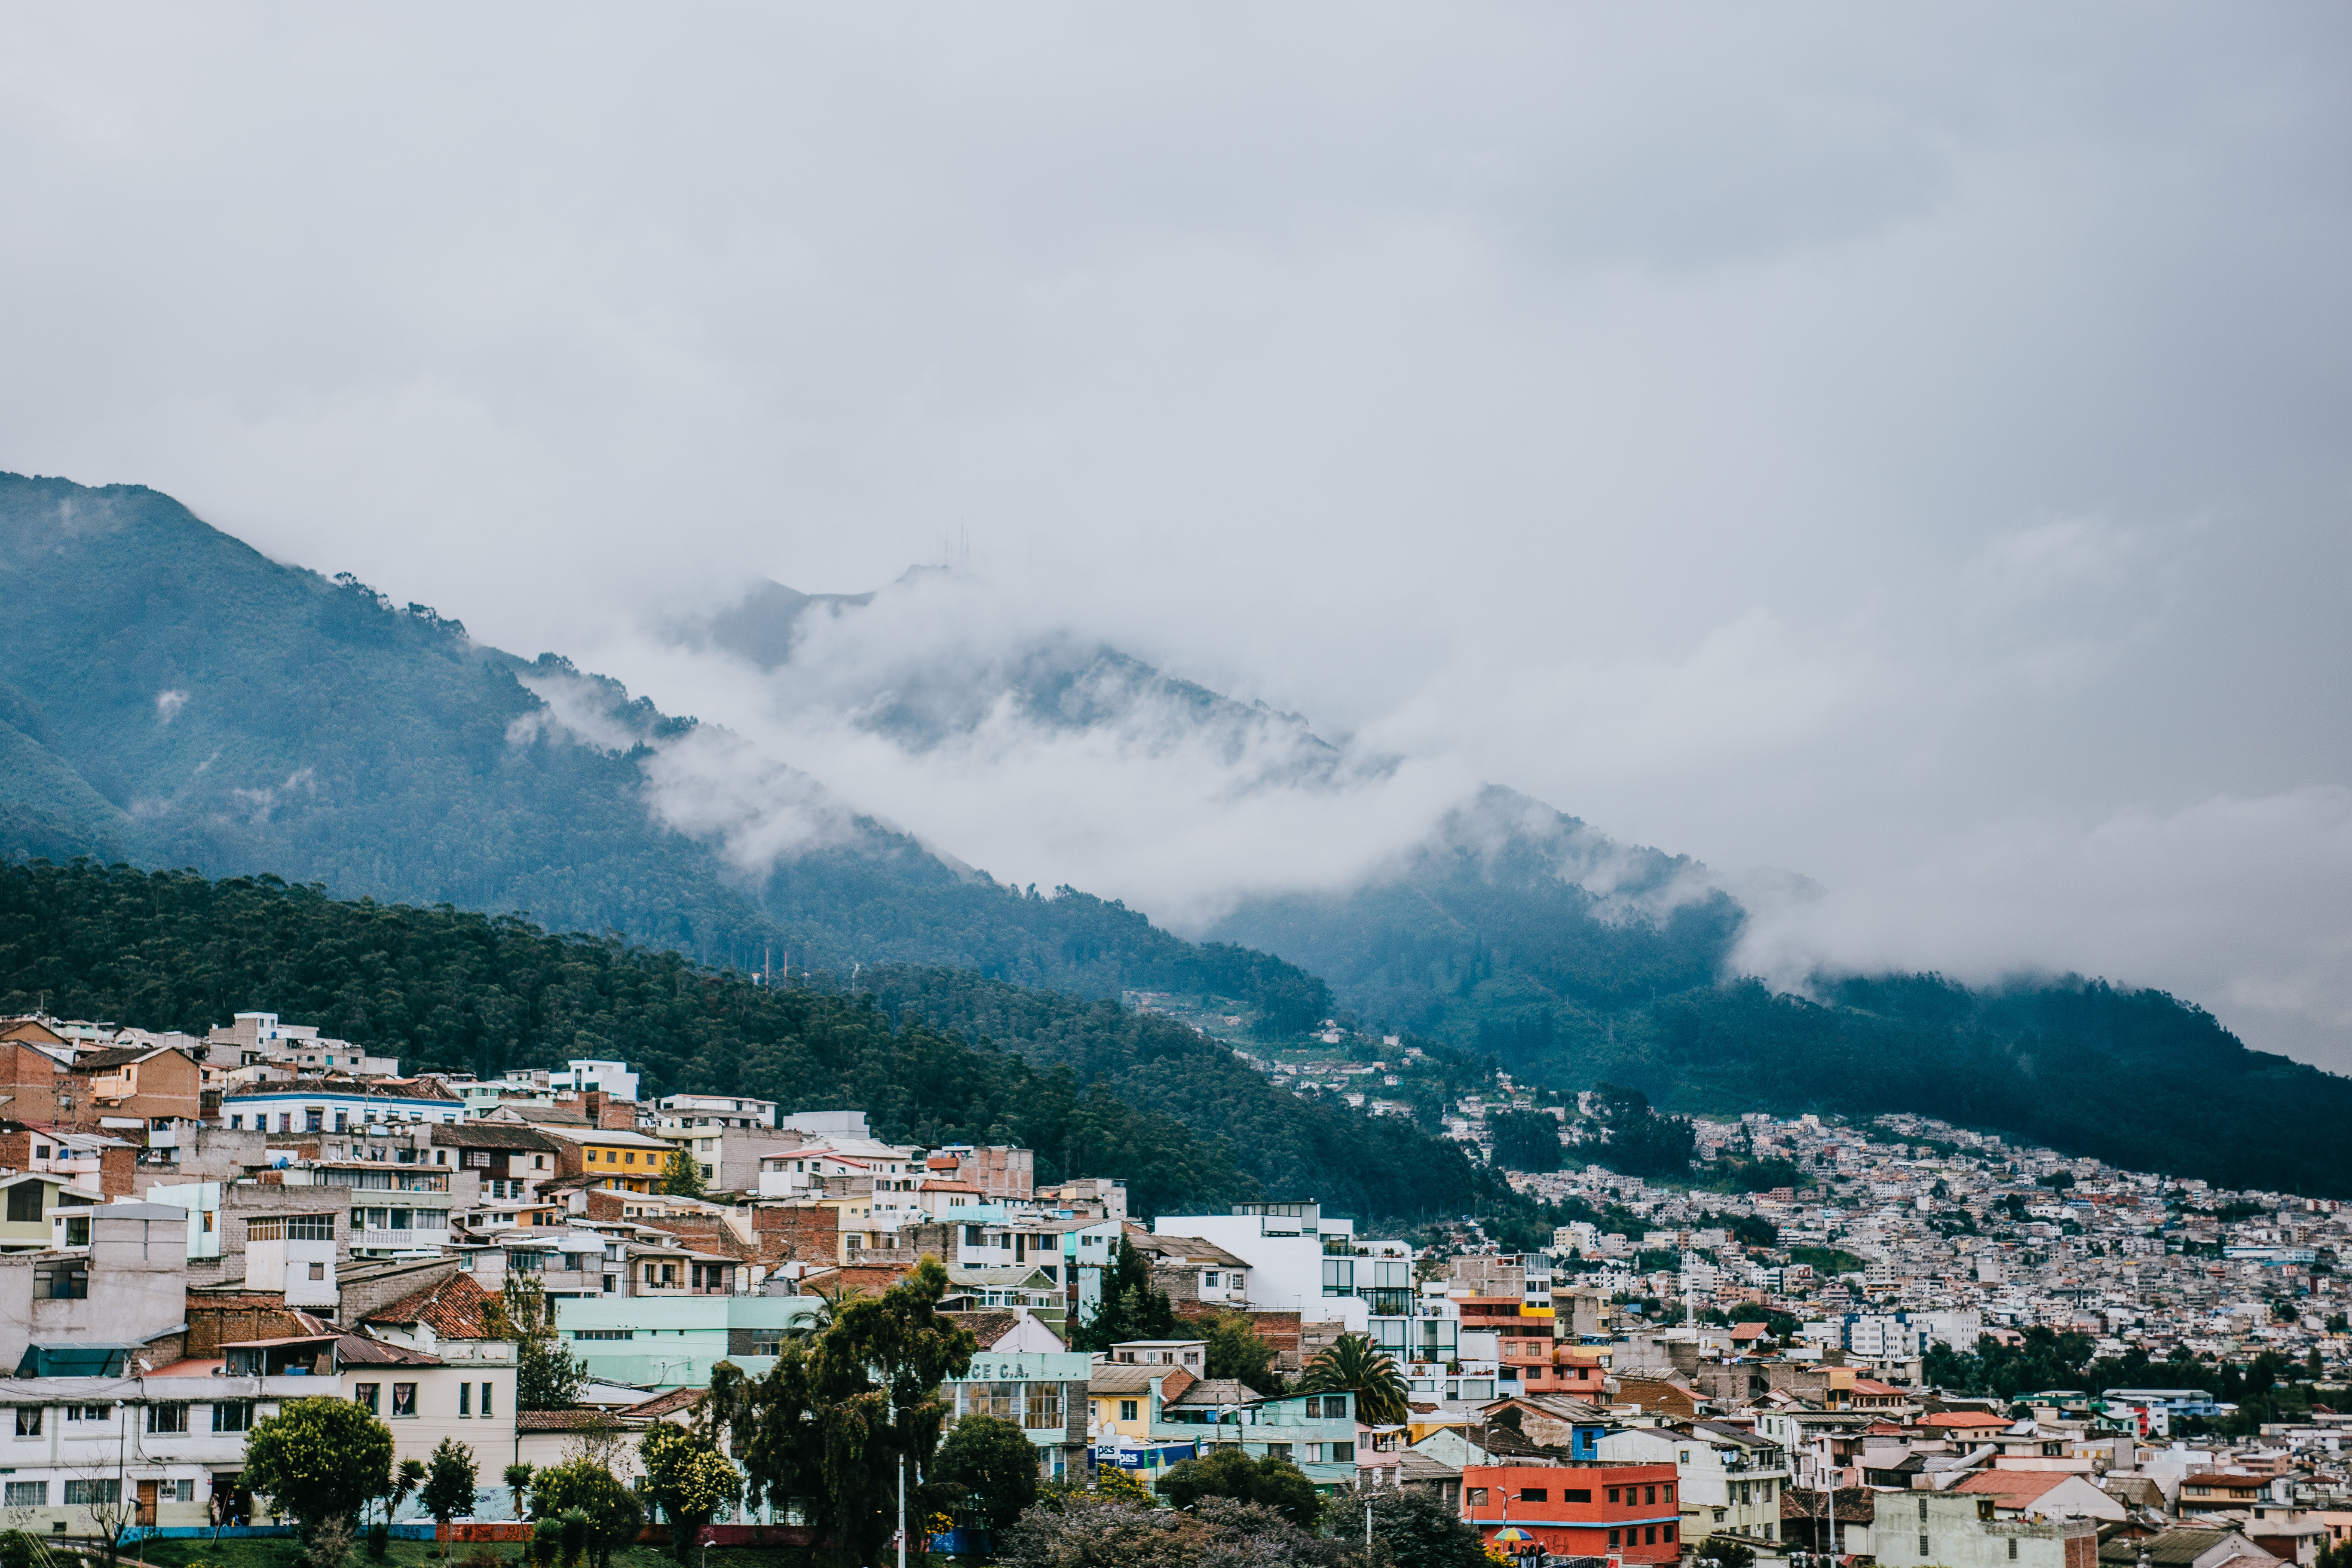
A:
x: 466, y: 1400
x: 1041, y: 1410
x: 1575, y: 1494
x: 318, y: 1271
x: 88, y: 1413
x: 632, y: 1333
x: 1535, y: 1494
x: 1477, y: 1499
x: 1612, y: 1538
x: 1923, y: 1511
x: 478, y: 1159
x: 28, y: 1421
x: 486, y: 1400
x: 1649, y: 1494
x: 314, y: 1121
x: 93, y: 1494
x: 28, y: 1494
x: 1210, y: 1278
x: 1649, y: 1535
x: 2012, y: 1548
x: 1667, y: 1532
x: 67, y: 1279
x: 1278, y: 1451
x: 1335, y: 1406
x: 404, y: 1399
x: 1613, y: 1498
x: 1669, y: 1491
x: 233, y: 1415
x: 1923, y: 1546
x: 168, y: 1415
x: 1127, y: 1409
x: 365, y: 1396
x: 25, y: 1203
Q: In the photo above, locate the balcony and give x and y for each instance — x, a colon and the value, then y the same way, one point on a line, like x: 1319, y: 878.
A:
x: 391, y: 1240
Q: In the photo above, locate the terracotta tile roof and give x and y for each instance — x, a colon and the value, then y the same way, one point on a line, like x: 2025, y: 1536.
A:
x: 454, y: 1307
x: 986, y: 1327
x: 587, y: 1419
x: 707, y: 1233
x: 664, y: 1404
x: 2025, y: 1485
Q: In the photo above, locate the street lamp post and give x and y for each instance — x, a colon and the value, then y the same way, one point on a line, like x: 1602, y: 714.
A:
x: 1829, y: 1493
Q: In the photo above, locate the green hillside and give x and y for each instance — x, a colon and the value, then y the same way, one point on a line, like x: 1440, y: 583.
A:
x: 930, y: 1056
x: 173, y: 698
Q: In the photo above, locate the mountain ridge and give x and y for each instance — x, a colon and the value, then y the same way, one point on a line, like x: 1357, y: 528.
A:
x: 175, y: 698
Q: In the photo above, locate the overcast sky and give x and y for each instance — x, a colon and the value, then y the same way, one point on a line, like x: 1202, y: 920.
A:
x: 1903, y: 446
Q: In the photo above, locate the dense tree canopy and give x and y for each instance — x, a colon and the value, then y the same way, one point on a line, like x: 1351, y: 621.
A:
x: 933, y: 1056
x: 319, y: 1459
x: 1524, y: 1139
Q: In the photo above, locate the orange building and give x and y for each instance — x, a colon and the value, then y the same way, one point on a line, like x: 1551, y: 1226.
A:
x: 1627, y: 1511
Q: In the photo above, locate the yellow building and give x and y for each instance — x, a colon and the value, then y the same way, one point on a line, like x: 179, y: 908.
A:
x: 1119, y: 1397
x: 622, y: 1162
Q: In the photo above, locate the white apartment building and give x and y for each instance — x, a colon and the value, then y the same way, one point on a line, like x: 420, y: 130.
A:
x: 1285, y: 1246
x: 1730, y: 1480
x: 676, y: 1113
x: 259, y: 1039
x: 613, y: 1080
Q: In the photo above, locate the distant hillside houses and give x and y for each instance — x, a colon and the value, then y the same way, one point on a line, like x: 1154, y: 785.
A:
x: 1874, y: 1361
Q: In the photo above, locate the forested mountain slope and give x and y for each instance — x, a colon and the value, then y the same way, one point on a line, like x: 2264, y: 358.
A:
x: 931, y: 1056
x: 172, y: 697
x: 1571, y: 961
x: 1512, y: 929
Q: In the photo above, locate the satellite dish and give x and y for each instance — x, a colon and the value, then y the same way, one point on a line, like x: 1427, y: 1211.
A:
x: 146, y: 1365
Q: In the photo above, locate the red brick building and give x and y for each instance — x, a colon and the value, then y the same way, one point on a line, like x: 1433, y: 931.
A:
x: 1627, y: 1511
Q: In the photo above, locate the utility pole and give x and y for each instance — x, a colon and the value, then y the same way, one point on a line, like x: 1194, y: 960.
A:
x: 902, y: 1509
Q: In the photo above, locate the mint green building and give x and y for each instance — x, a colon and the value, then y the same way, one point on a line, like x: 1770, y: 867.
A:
x: 673, y: 1341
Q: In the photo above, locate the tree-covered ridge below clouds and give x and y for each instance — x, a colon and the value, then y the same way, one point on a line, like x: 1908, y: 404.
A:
x: 930, y: 1056
x: 173, y: 698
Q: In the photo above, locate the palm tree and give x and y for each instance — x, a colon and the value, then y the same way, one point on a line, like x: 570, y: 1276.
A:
x: 517, y: 1480
x: 1353, y: 1365
x: 406, y: 1479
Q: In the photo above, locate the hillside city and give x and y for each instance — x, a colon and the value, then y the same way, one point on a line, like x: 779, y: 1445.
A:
x: 1905, y: 1342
